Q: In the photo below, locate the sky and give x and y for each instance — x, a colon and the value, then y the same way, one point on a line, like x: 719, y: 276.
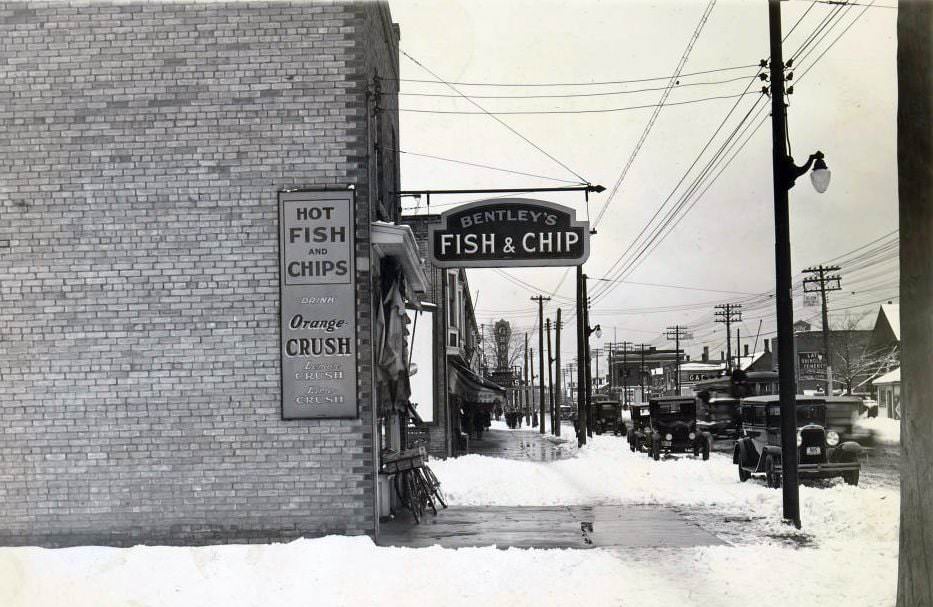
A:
x: 720, y: 248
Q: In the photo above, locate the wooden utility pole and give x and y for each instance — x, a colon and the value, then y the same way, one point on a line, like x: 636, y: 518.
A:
x: 641, y: 371
x: 822, y: 282
x: 527, y: 407
x: 915, y: 188
x: 559, y: 389
x: 782, y: 177
x: 586, y: 353
x: 729, y: 313
x: 581, y: 364
x: 534, y: 410
x: 541, y: 299
x: 625, y: 346
x: 677, y: 333
x: 550, y: 380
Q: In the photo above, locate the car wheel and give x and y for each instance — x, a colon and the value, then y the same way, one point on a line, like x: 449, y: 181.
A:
x: 851, y: 478
x: 706, y: 449
x: 744, y: 474
x: 772, y: 477
x: 655, y: 449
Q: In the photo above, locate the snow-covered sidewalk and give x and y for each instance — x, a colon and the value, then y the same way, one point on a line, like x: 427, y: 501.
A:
x: 847, y: 553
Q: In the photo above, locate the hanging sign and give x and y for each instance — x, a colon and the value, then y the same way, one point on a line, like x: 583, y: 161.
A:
x: 318, y: 304
x: 509, y: 232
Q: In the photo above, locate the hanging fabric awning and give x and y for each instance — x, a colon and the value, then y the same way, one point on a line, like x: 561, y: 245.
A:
x: 471, y: 387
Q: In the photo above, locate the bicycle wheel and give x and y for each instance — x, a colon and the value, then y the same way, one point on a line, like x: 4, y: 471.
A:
x: 415, y: 501
x: 435, y: 486
x: 425, y: 488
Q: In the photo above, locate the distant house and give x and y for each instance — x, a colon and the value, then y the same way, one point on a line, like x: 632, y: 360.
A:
x: 889, y: 394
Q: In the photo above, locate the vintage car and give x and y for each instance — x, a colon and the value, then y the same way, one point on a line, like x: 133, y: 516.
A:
x: 638, y: 426
x: 605, y: 415
x: 718, y: 416
x: 821, y: 451
x: 673, y: 427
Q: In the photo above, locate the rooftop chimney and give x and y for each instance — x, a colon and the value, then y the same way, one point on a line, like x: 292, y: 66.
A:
x: 746, y: 349
x: 722, y: 356
x: 767, y: 345
x: 705, y: 354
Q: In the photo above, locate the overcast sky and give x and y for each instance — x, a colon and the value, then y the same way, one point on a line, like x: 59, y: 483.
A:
x: 844, y: 103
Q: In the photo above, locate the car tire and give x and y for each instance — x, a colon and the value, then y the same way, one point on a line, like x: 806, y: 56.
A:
x: 744, y: 474
x: 705, y: 449
x: 851, y: 478
x: 772, y: 477
x: 655, y: 449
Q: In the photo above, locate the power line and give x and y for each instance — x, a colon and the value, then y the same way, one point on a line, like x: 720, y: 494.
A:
x: 570, y: 95
x: 482, y: 166
x: 603, y: 83
x: 545, y: 112
x: 500, y: 121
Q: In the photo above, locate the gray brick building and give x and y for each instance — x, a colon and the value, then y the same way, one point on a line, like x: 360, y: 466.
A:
x: 142, y: 147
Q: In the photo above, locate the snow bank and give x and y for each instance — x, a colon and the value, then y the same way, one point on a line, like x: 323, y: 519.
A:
x: 885, y: 430
x: 352, y: 571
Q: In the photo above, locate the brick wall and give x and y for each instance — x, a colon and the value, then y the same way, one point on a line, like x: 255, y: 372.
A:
x: 141, y: 149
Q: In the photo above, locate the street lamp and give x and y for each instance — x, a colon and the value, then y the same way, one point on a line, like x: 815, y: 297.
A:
x: 785, y: 172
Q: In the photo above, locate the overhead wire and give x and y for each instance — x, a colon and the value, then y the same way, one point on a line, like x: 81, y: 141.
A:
x: 496, y: 118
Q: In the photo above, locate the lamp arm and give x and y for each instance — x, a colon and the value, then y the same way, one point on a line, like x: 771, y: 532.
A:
x: 793, y: 171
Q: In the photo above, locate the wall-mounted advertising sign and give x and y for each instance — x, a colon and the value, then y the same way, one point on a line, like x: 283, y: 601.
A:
x: 810, y: 365
x: 509, y: 232
x: 318, y: 304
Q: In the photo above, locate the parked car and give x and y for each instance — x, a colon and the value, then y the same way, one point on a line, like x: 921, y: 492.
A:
x: 821, y: 450
x: 719, y: 416
x: 638, y: 427
x: 673, y: 427
x: 568, y: 412
x: 605, y: 415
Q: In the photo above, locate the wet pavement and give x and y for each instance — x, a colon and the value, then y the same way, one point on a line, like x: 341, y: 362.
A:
x: 548, y: 527
x: 525, y: 444
x: 580, y: 526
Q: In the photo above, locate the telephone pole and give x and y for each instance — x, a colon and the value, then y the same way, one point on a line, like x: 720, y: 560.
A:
x: 641, y: 371
x: 677, y: 333
x: 550, y: 379
x: 822, y: 281
x: 534, y: 410
x: 559, y: 393
x: 541, y: 299
x: 527, y: 407
x: 729, y: 313
x: 625, y: 346
x: 581, y: 362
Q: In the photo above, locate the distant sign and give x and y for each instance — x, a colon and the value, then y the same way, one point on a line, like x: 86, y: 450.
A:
x: 810, y: 365
x: 318, y: 304
x: 509, y: 232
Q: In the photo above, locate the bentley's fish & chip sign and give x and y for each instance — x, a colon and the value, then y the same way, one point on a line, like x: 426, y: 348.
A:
x: 509, y: 232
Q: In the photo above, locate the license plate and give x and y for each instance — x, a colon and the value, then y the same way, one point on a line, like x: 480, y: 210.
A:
x: 813, y: 450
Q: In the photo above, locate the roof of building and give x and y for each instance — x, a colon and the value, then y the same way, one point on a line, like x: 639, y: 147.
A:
x: 892, y: 377
x: 892, y: 312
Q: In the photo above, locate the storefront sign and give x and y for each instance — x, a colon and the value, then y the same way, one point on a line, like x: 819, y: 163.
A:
x: 509, y: 232
x: 318, y: 304
x: 810, y: 365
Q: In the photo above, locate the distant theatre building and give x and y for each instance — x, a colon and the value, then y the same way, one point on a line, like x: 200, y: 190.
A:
x: 185, y: 357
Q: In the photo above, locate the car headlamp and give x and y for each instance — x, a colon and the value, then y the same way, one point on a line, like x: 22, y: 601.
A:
x: 799, y: 439
x: 832, y: 438
x: 668, y: 436
x: 692, y: 436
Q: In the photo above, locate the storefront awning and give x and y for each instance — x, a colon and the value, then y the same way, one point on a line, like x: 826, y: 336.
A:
x: 471, y: 387
x: 390, y: 240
